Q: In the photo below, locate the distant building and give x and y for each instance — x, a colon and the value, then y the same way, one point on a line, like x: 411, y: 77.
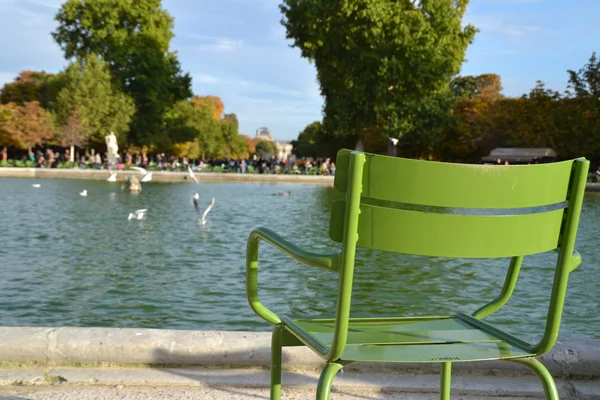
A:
x: 284, y: 147
x: 264, y: 134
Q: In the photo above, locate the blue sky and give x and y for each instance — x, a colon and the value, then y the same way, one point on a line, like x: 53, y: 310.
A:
x: 236, y: 49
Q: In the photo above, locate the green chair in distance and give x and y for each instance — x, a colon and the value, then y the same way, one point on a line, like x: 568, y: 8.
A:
x: 540, y: 207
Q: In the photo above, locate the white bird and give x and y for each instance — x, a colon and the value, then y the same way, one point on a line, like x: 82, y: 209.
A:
x: 192, y: 175
x: 394, y: 141
x: 36, y: 185
x: 138, y: 214
x: 146, y: 176
x: 203, y: 220
x: 112, y: 177
x: 84, y: 193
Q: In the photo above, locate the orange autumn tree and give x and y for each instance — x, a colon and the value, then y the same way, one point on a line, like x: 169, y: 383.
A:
x: 213, y: 102
x: 250, y: 145
x: 26, y: 126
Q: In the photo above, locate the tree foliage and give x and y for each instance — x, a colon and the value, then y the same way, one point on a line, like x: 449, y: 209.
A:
x: 102, y: 108
x: 379, y: 61
x: 195, y: 121
x: 133, y: 37
x: 483, y: 119
x: 32, y: 86
x: 25, y: 126
x: 265, y: 148
x: 315, y: 141
x: 212, y: 102
x: 73, y: 131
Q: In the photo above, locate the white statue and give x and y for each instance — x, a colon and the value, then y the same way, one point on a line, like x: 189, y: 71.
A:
x: 112, y: 148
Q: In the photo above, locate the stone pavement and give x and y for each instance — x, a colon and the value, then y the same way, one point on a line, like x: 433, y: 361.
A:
x: 225, y: 393
x: 71, y: 383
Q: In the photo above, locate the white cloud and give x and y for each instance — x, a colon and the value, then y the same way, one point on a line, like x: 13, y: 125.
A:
x: 499, y: 23
x: 214, y: 44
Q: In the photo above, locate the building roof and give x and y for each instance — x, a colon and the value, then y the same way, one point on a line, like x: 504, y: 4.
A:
x: 264, y: 133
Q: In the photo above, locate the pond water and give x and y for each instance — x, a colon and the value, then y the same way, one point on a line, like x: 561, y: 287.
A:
x: 68, y: 260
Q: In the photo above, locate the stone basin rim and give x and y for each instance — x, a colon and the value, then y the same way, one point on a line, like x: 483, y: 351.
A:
x: 237, y: 349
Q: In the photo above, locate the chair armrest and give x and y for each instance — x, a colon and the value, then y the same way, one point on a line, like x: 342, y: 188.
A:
x: 575, y: 261
x: 329, y: 262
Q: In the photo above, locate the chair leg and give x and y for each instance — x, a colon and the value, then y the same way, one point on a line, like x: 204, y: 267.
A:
x: 276, y: 363
x: 445, y: 375
x: 542, y: 372
x: 326, y: 380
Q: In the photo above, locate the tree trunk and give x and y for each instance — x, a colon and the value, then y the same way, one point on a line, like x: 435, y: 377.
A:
x: 72, y: 154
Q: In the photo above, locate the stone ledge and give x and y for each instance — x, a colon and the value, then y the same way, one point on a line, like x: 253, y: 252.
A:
x: 160, y: 176
x: 126, y: 346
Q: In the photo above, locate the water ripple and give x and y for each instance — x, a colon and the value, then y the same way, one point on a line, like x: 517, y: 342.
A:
x: 66, y: 260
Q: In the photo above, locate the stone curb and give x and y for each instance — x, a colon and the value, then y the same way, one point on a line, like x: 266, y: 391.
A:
x: 71, y: 345
x: 404, y: 386
x: 160, y: 176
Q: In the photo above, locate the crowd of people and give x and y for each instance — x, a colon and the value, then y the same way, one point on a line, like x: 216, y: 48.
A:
x: 49, y: 158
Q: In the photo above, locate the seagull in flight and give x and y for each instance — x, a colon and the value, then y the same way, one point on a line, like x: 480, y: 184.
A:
x: 146, y: 176
x: 112, y: 177
x: 394, y: 141
x: 210, y: 206
x: 192, y: 175
x: 84, y: 193
x: 138, y: 214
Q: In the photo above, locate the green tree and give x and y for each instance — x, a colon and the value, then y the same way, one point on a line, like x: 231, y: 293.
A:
x: 379, y: 61
x: 234, y: 144
x: 188, y: 122
x: 133, y: 37
x: 585, y: 83
x: 102, y: 108
x: 72, y: 133
x: 464, y: 87
x: 582, y: 111
x: 315, y: 141
x: 32, y: 86
x: 265, y: 148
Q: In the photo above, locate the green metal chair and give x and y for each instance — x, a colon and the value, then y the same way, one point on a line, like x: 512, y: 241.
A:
x: 540, y: 207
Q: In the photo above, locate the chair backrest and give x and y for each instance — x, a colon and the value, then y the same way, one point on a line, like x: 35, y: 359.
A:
x: 495, y: 211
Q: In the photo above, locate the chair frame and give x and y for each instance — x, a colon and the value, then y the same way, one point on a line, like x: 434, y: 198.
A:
x: 343, y: 264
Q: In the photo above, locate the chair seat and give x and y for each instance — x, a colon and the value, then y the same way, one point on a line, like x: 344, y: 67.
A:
x: 423, y: 339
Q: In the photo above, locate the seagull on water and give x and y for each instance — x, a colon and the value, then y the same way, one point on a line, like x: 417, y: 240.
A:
x: 36, y: 185
x: 210, y: 206
x: 84, y: 193
x: 112, y: 177
x: 146, y: 176
x: 138, y: 214
x: 192, y: 175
